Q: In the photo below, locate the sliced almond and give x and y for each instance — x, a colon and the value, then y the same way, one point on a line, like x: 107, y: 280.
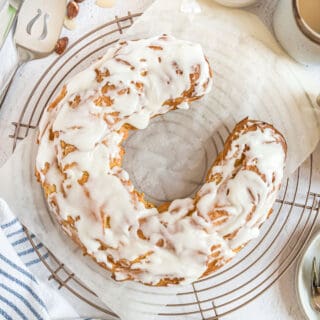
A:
x: 105, y: 3
x: 70, y: 24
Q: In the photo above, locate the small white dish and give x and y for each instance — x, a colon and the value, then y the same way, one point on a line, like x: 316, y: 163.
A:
x: 303, y: 277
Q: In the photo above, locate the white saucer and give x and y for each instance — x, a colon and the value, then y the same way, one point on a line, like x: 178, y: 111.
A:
x: 303, y: 275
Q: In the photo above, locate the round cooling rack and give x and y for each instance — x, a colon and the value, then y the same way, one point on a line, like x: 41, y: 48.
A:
x: 255, y: 268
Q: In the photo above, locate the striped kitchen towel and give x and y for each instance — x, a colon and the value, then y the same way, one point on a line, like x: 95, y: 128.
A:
x: 22, y: 294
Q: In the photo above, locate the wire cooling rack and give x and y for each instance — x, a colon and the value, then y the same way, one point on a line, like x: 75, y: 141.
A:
x: 254, y: 269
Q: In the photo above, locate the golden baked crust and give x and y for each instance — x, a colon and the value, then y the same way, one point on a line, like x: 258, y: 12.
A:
x: 79, y: 167
x: 244, y: 126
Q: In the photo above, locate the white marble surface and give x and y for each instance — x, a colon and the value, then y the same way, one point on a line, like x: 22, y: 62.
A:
x: 279, y: 301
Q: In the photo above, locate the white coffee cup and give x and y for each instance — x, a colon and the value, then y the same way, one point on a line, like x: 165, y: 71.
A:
x: 294, y: 31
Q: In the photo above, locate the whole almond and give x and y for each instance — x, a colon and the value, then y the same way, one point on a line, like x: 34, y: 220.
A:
x: 72, y: 9
x: 61, y: 45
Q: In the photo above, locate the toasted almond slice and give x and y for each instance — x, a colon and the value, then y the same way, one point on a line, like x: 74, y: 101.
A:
x: 70, y: 24
x: 105, y: 3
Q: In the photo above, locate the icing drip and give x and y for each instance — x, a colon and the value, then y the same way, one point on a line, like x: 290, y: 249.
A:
x: 79, y: 166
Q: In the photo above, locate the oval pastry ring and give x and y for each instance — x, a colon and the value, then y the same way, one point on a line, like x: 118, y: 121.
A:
x: 79, y: 166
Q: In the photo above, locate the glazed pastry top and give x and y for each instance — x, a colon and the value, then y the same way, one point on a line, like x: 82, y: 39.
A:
x: 79, y: 166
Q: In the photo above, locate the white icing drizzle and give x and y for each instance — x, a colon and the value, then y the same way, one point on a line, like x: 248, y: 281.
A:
x: 80, y: 144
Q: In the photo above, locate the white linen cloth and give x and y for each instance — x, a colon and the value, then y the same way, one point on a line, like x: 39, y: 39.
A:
x: 23, y: 292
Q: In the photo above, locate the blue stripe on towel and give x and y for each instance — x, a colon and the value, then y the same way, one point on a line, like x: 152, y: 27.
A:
x: 30, y: 250
x: 13, y: 265
x: 30, y: 263
x: 5, y: 315
x: 15, y: 233
x: 23, y: 285
x: 22, y: 240
x: 9, y: 224
x: 26, y: 303
x: 11, y: 305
